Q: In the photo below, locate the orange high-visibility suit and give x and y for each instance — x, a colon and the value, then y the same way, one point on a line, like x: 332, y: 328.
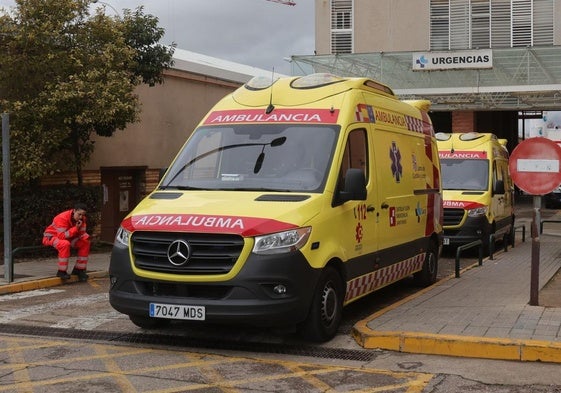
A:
x: 64, y: 233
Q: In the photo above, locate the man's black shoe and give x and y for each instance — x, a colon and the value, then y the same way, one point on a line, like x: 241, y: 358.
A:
x: 81, y: 273
x: 62, y: 274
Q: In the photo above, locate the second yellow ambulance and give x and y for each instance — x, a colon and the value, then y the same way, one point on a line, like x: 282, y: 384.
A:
x: 291, y: 199
x: 477, y: 188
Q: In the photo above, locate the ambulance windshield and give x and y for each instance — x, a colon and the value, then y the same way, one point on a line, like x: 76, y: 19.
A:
x: 255, y: 158
x: 472, y: 175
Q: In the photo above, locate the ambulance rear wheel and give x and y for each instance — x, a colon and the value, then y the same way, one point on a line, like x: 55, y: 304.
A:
x: 326, y: 310
x: 427, y: 276
x: 147, y: 322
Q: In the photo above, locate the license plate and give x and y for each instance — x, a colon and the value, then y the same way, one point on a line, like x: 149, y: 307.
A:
x: 174, y: 311
x: 446, y: 241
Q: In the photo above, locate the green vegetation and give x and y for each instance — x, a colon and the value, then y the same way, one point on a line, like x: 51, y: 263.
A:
x: 67, y: 72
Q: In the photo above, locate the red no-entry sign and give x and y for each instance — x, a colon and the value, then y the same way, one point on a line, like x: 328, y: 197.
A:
x: 535, y: 165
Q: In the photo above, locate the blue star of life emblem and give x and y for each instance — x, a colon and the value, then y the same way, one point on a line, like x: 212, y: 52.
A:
x: 395, y: 156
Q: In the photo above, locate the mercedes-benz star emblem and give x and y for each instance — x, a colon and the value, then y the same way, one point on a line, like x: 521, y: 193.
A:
x: 179, y: 252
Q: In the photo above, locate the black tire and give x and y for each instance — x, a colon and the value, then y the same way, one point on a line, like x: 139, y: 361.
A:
x: 486, y: 240
x: 428, y: 275
x: 326, y: 309
x: 147, y: 322
x: 511, y: 233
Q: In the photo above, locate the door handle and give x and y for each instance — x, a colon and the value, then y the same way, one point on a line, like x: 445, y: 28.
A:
x: 370, y: 208
x: 385, y: 205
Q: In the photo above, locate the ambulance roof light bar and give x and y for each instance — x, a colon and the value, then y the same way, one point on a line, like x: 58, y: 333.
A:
x: 470, y: 136
x: 442, y: 136
x: 285, y: 2
x: 315, y: 80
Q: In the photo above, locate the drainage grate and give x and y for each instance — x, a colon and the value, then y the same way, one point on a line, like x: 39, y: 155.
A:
x: 179, y: 341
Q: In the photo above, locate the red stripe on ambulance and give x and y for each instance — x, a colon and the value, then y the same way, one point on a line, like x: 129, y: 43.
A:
x: 244, y: 226
x: 449, y: 204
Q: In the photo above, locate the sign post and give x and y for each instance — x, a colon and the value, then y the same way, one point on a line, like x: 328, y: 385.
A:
x: 535, y: 168
x: 7, y: 199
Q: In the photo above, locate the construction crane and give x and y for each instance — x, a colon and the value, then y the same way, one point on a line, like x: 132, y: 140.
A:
x: 285, y: 2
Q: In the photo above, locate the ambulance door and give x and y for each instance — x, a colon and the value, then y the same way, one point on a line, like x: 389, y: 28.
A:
x: 497, y: 192
x: 363, y: 218
x: 401, y: 171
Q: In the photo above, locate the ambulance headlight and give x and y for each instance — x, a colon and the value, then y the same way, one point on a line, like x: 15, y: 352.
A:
x: 479, y: 211
x: 122, y: 236
x: 281, y: 242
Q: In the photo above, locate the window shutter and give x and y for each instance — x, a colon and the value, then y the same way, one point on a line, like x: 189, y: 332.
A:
x: 500, y: 24
x: 521, y: 23
x: 439, y: 25
x: 341, y: 26
x: 480, y: 24
x: 543, y: 22
x: 459, y: 24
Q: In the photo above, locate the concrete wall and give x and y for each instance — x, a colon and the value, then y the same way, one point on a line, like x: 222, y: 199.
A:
x: 323, y: 27
x: 379, y: 26
x: 391, y: 25
x: 169, y: 113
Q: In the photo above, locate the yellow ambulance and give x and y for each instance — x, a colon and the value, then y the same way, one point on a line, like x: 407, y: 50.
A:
x: 291, y: 199
x: 477, y: 188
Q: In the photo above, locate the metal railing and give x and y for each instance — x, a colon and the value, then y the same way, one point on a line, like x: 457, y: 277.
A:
x: 467, y: 246
x: 542, y: 221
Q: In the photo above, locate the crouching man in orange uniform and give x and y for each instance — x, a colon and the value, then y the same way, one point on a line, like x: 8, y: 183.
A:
x: 67, y: 230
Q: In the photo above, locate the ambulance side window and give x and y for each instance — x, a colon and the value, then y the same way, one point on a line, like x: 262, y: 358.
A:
x: 498, y: 180
x: 355, y: 155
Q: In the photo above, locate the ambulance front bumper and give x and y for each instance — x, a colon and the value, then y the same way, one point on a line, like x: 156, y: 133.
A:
x: 474, y: 228
x: 273, y: 290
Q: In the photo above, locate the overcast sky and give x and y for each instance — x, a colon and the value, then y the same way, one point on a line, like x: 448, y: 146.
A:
x: 259, y: 33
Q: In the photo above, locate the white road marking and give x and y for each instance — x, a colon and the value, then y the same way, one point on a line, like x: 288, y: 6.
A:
x: 26, y: 294
x: 11, y: 315
x: 89, y: 322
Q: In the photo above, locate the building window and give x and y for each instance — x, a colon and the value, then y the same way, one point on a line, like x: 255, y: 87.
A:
x: 472, y: 24
x: 480, y: 24
x: 341, y: 26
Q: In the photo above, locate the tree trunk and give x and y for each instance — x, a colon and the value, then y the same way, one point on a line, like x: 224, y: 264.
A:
x: 77, y: 155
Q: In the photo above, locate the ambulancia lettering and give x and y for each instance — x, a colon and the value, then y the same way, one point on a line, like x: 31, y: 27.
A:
x: 456, y: 204
x: 461, y: 204
x: 390, y: 118
x: 278, y: 116
x: 189, y: 221
x: 469, y: 155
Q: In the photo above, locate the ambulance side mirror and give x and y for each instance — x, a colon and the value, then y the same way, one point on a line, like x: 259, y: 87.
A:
x: 355, y: 187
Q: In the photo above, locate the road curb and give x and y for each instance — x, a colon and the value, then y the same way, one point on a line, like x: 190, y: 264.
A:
x: 460, y: 346
x: 46, y: 282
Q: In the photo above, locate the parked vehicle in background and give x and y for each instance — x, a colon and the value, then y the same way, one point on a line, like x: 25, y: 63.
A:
x: 290, y: 200
x: 553, y: 199
x: 477, y: 188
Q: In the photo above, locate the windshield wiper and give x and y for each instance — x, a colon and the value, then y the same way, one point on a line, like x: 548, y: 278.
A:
x: 180, y: 188
x: 275, y: 142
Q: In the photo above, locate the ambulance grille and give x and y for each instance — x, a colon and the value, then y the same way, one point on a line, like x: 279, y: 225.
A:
x: 453, y: 217
x: 209, y: 253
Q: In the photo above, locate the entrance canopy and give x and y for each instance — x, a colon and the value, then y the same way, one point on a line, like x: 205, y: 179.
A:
x: 520, y: 78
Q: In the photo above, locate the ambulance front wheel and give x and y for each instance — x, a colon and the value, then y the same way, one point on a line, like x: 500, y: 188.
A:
x: 147, y: 322
x: 427, y: 276
x: 326, y: 310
